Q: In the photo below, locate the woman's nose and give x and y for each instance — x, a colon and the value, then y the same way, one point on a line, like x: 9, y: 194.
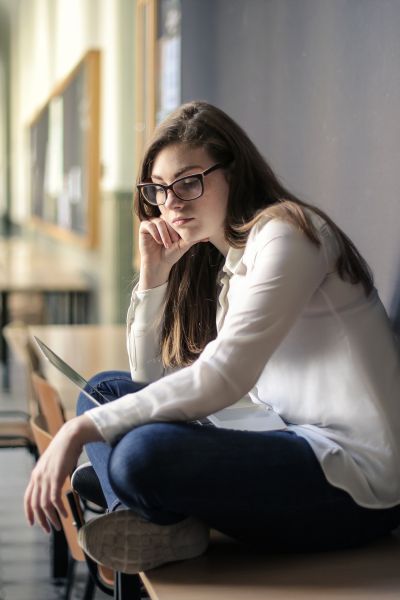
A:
x: 172, y: 199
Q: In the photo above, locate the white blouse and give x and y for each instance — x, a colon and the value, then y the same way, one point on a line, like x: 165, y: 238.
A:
x: 295, y: 336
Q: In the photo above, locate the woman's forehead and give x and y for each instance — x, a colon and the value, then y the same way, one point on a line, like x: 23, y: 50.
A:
x: 177, y: 156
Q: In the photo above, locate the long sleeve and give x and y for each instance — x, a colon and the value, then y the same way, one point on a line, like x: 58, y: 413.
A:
x: 143, y: 334
x: 282, y: 273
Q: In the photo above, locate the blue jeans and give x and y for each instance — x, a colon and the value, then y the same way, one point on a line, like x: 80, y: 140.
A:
x: 263, y: 488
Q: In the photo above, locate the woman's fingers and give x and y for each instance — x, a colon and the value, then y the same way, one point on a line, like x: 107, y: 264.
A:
x: 43, y: 503
x: 52, y: 516
x: 164, y: 233
x: 51, y: 503
x: 174, y: 235
x: 27, y: 504
x: 150, y: 228
x: 56, y: 498
x: 161, y: 232
x: 38, y: 512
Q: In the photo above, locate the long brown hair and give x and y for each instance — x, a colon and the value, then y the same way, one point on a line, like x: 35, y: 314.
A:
x: 190, y: 309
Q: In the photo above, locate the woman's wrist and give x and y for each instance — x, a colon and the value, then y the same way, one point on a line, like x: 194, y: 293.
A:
x: 149, y: 280
x: 82, y: 430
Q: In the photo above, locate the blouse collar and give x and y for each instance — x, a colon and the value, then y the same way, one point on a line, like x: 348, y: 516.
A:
x: 233, y: 260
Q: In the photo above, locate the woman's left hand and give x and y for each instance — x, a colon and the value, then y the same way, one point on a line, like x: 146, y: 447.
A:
x: 43, y: 495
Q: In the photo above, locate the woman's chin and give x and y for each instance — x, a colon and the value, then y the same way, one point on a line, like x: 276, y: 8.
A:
x: 185, y: 235
x: 188, y: 236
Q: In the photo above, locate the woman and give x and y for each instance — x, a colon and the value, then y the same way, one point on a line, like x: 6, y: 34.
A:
x: 243, y: 289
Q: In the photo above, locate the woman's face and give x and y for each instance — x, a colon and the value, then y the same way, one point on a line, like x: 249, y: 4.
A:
x: 198, y: 219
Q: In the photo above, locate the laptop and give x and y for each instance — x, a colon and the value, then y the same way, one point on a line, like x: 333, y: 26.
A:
x: 69, y: 372
x: 243, y: 416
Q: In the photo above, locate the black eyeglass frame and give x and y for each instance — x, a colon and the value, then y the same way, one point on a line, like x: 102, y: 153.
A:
x: 199, y: 176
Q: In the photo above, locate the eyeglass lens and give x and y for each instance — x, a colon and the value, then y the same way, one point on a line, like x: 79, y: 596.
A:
x: 188, y: 188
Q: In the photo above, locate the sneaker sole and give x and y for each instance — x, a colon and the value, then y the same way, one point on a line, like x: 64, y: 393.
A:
x: 124, y: 542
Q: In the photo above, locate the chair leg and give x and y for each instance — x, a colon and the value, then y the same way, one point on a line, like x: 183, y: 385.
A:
x: 70, y: 579
x: 127, y: 587
x: 32, y: 449
x: 59, y: 555
x: 89, y: 588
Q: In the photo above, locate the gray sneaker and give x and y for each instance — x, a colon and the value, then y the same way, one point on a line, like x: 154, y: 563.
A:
x: 124, y: 542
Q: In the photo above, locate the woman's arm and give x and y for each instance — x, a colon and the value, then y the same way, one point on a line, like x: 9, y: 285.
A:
x: 287, y: 270
x: 143, y: 333
x: 160, y: 248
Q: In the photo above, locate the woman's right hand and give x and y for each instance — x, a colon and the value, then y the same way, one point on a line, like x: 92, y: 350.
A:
x: 43, y: 497
x: 160, y: 248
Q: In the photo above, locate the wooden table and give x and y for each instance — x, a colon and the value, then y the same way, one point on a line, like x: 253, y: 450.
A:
x: 89, y: 349
x: 28, y: 267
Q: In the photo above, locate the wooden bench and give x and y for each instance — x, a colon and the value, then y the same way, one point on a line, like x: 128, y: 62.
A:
x: 228, y: 571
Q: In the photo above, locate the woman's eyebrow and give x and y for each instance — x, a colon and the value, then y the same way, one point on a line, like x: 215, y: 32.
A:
x: 178, y: 173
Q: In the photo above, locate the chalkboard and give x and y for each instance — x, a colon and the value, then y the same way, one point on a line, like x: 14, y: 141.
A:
x: 64, y: 156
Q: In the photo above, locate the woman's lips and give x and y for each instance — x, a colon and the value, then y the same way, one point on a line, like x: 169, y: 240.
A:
x: 182, y: 221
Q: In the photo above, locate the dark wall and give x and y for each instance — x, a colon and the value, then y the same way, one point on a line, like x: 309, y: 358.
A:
x: 316, y: 84
x: 199, y: 50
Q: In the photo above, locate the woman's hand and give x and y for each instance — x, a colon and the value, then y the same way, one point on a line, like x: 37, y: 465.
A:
x: 160, y: 248
x: 43, y: 495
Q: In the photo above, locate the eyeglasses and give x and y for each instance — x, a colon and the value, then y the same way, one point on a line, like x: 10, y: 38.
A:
x: 185, y: 188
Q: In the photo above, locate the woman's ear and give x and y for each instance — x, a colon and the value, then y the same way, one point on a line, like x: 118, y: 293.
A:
x: 228, y: 170
x: 227, y: 174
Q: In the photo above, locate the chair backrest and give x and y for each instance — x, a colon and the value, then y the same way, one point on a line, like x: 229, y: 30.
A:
x: 16, y: 433
x: 43, y: 439
x: 17, y: 335
x: 49, y: 402
x: 15, y: 429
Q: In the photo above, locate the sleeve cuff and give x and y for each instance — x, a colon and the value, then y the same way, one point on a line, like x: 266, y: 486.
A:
x: 145, y: 306
x: 108, y: 421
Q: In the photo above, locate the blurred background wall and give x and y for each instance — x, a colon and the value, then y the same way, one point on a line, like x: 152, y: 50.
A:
x: 47, y: 38
x: 4, y: 110
x: 316, y: 84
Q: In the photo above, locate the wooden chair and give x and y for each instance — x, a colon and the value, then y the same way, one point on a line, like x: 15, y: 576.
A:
x: 52, y: 410
x: 49, y: 403
x: 18, y: 339
x: 15, y: 429
x: 102, y: 578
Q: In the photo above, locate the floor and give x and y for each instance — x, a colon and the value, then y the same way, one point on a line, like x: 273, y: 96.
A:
x: 25, y: 551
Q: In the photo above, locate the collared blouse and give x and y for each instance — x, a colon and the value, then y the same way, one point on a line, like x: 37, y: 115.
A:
x: 291, y: 334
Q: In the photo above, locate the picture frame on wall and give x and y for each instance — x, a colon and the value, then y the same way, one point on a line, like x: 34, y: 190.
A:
x: 64, y: 156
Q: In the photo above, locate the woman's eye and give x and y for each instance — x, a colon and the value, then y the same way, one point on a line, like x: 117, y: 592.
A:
x: 189, y: 182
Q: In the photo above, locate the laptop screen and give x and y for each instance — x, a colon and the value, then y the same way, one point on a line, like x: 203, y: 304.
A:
x: 69, y: 372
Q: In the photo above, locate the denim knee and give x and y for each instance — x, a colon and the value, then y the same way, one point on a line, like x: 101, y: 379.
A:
x: 139, y: 471
x: 108, y: 383
x: 83, y: 403
x: 104, y: 377
x: 141, y: 462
